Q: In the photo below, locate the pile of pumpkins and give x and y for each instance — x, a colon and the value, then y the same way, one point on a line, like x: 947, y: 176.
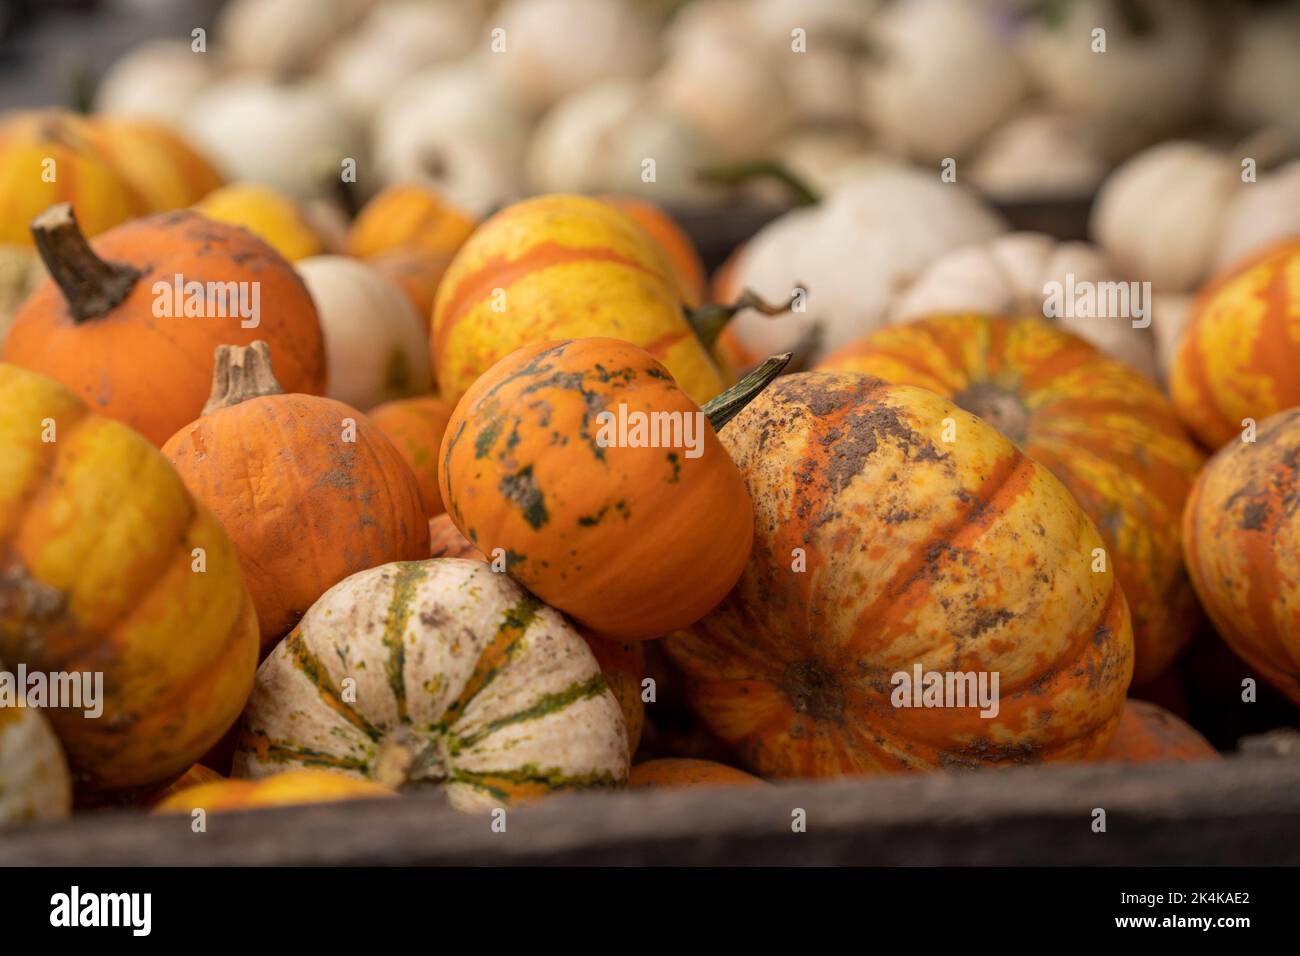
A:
x: 330, y: 503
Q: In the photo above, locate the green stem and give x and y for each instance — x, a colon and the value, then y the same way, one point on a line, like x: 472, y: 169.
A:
x: 723, y: 408
x: 708, y: 321
x: 741, y: 173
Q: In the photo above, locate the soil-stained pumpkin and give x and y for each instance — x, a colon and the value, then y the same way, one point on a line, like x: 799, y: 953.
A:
x: 1240, y: 353
x: 1150, y: 734
x: 686, y: 772
x: 631, y: 540
x: 291, y: 788
x: 109, y: 565
x: 110, y: 325
x: 460, y: 681
x: 880, y: 548
x: 1241, y: 534
x: 1105, y: 431
x: 415, y: 426
x: 308, y: 488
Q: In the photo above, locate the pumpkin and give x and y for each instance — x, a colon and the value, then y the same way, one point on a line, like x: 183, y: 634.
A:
x: 416, y: 274
x: 1241, y: 538
x: 21, y: 271
x: 565, y: 266
x: 623, y: 664
x: 1104, y: 431
x: 1262, y: 70
x: 292, y: 788
x: 156, y: 161
x: 111, y: 325
x: 1011, y: 275
x: 196, y: 776
x: 108, y: 564
x: 409, y: 217
x: 1170, y: 313
x: 157, y: 79
x: 685, y: 772
x: 672, y: 239
x: 446, y: 541
x: 1040, y: 155
x: 463, y: 682
x: 1238, y: 356
x: 1150, y: 734
x: 280, y: 37
x: 308, y: 489
x: 275, y: 218
x: 34, y: 780
x: 49, y: 156
x: 1159, y: 215
x: 882, y: 553
x: 566, y: 511
x: 377, y: 346
x: 415, y: 426
x: 1263, y: 213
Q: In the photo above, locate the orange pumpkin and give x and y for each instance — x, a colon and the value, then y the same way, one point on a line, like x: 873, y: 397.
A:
x: 1239, y: 354
x: 446, y: 541
x: 1150, y: 734
x: 409, y: 217
x: 672, y: 239
x: 684, y: 772
x: 291, y: 788
x: 309, y: 490
x: 1241, y: 535
x: 196, y: 776
x: 623, y: 664
x: 632, y: 541
x: 1103, y: 429
x: 160, y: 165
x: 415, y: 427
x: 110, y: 325
x: 880, y: 551
x: 416, y: 273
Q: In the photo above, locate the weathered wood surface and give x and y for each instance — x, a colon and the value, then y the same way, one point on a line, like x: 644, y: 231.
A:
x: 1240, y: 811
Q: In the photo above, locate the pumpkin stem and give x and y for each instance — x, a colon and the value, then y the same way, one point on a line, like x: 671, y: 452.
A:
x: 242, y: 372
x: 708, y: 321
x: 405, y: 760
x: 91, y: 286
x: 723, y: 408
x: 801, y: 194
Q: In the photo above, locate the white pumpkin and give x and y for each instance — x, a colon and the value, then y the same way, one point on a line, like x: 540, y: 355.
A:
x: 21, y: 271
x: 282, y: 38
x: 939, y: 79
x: 825, y: 158
x: 398, y: 39
x: 557, y: 47
x: 1263, y: 212
x: 375, y: 342
x: 1145, y: 82
x: 1011, y: 275
x: 1170, y: 314
x: 34, y: 779
x: 600, y: 140
x: 463, y: 681
x: 1262, y: 77
x: 457, y: 129
x: 1159, y: 216
x: 867, y: 242
x: 292, y: 137
x: 158, y: 79
x: 1040, y: 155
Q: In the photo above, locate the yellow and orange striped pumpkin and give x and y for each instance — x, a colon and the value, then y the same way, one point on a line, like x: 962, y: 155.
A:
x: 664, y: 230
x: 1101, y: 428
x: 880, y: 548
x: 1239, y: 355
x: 1241, y: 534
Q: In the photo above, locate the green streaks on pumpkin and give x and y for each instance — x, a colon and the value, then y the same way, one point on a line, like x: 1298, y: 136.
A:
x: 521, y: 490
x: 531, y: 779
x: 495, y: 656
x: 310, y: 666
x: 487, y: 437
x: 406, y: 583
x: 274, y: 751
x: 544, y: 705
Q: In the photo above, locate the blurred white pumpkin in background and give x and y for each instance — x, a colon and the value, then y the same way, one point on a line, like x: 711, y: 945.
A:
x: 1170, y: 313
x: 938, y: 77
x: 1261, y: 84
x: 705, y: 25
x: 458, y: 129
x: 1039, y: 155
x: 1152, y: 76
x: 602, y: 139
x: 864, y: 244
x: 824, y: 158
x: 293, y: 137
x: 375, y: 343
x: 397, y: 39
x: 1159, y: 215
x: 1009, y: 275
x: 283, y: 38
x: 158, y: 79
x: 557, y: 47
x: 1262, y: 213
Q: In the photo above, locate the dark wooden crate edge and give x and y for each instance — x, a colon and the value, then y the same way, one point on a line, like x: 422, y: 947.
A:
x: 1242, y: 811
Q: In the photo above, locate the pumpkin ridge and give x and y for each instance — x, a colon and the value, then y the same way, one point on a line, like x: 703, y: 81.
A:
x: 274, y: 751
x: 531, y: 780
x: 1267, y: 361
x: 408, y: 576
x: 546, y: 704
x: 311, y: 667
x: 47, y: 463
x: 496, y: 654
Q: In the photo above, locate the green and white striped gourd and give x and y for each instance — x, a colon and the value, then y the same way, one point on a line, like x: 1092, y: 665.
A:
x: 436, y: 673
x: 34, y: 779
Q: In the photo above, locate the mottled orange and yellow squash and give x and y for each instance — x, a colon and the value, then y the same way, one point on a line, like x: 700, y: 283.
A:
x: 409, y: 217
x: 562, y: 267
x: 309, y: 489
x: 630, y: 541
x: 1239, y: 357
x: 276, y: 219
x: 439, y: 674
x: 110, y: 326
x: 1105, y: 431
x: 415, y: 426
x: 160, y: 165
x: 623, y: 664
x: 1241, y: 535
x: 664, y: 230
x: 1150, y: 734
x: 685, y: 772
x: 291, y: 788
x: 880, y: 548
x: 108, y: 564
